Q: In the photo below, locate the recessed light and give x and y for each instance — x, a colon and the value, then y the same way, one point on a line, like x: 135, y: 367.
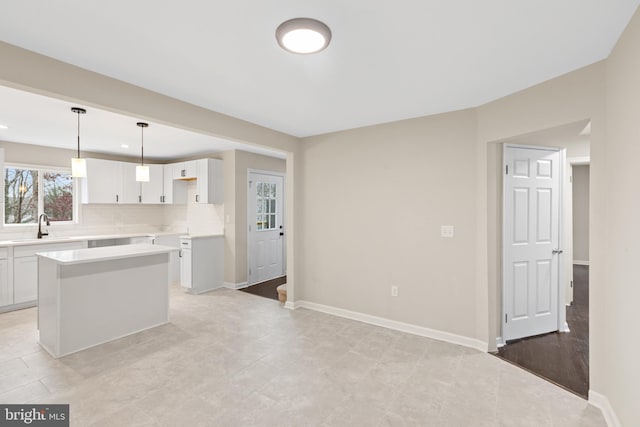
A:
x: 124, y: 146
x: 3, y: 127
x: 303, y: 35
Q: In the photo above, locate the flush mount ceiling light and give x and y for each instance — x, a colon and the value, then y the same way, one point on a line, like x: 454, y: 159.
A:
x: 142, y: 171
x: 3, y: 127
x: 78, y: 165
x: 303, y: 35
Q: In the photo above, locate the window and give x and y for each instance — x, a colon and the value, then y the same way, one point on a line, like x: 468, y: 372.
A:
x: 266, y: 206
x: 29, y: 192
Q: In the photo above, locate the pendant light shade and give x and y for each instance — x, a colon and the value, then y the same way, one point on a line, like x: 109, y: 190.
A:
x: 142, y: 171
x: 78, y: 165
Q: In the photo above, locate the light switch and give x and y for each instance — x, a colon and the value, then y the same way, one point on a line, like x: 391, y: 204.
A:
x: 446, y: 231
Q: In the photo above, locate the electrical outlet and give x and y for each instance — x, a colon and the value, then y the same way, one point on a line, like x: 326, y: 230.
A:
x: 394, y: 291
x: 446, y: 231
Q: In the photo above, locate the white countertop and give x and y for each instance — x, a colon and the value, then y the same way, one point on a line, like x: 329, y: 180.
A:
x: 62, y: 239
x: 199, y: 236
x: 79, y: 256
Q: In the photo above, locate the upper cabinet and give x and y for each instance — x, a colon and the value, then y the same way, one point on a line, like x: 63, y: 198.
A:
x: 111, y: 181
x: 153, y: 191
x: 209, y: 188
x: 103, y: 183
x: 174, y: 191
x: 185, y: 170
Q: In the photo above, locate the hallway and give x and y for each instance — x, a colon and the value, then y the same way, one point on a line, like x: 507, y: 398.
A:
x: 562, y: 358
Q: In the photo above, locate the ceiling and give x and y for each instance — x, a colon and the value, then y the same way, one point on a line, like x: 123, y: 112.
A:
x: 40, y: 120
x: 387, y: 60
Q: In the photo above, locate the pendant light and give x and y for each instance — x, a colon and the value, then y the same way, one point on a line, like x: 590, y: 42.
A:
x: 78, y: 165
x: 142, y: 171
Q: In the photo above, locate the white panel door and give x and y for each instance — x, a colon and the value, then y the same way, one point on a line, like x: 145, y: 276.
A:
x: 265, y: 216
x: 531, y: 241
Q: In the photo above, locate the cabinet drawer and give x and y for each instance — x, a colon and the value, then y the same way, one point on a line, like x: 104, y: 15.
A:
x: 29, y: 250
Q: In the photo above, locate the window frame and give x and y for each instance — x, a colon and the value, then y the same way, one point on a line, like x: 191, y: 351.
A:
x: 41, y: 169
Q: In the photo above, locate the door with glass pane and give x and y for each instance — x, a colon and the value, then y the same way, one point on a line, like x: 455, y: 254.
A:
x: 265, y: 217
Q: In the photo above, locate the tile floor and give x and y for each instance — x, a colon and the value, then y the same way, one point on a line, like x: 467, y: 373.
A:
x: 229, y: 358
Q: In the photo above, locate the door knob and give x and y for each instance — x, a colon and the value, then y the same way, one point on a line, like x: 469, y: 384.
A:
x: 557, y: 251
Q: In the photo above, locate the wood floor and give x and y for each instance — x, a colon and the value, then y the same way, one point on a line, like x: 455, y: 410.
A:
x: 266, y: 289
x: 562, y: 358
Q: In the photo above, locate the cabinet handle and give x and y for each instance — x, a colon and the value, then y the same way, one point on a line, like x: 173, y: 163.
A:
x: 117, y: 198
x: 139, y: 199
x: 183, y: 172
x: 197, y: 198
x: 180, y: 253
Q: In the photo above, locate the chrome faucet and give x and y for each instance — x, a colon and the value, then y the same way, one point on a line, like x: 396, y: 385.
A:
x: 46, y: 218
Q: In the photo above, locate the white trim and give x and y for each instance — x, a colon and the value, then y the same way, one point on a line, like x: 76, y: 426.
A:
x: 499, y: 342
x: 394, y: 324
x: 235, y: 286
x: 291, y: 305
x: 579, y: 161
x: 580, y: 262
x: 601, y: 402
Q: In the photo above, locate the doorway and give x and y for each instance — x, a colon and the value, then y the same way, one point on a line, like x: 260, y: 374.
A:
x: 266, y: 235
x: 560, y: 356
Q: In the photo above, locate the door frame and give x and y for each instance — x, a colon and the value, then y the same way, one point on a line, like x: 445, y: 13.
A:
x: 562, y: 314
x: 284, y: 204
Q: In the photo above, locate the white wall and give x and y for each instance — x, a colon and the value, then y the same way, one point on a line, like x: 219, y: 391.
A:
x: 581, y: 213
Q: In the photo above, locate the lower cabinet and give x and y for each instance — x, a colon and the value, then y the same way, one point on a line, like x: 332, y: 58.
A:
x: 25, y: 279
x: 6, y: 285
x: 202, y: 263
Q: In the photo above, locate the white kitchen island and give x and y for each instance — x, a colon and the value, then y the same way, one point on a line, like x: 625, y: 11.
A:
x: 91, y: 296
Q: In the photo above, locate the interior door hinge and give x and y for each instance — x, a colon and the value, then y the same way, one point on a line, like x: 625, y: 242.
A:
x: 505, y: 318
x: 506, y: 170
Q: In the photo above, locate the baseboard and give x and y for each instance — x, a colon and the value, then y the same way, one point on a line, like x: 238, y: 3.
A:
x: 601, y: 402
x: 580, y: 262
x: 395, y: 325
x: 499, y: 342
x: 290, y: 305
x: 236, y: 286
x: 566, y: 328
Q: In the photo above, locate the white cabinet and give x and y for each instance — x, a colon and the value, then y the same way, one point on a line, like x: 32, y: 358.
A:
x: 153, y: 191
x: 103, y: 183
x: 174, y: 191
x: 6, y: 285
x: 172, y: 240
x: 111, y: 181
x: 130, y: 189
x: 184, y: 170
x: 25, y: 268
x: 209, y: 183
x: 201, y: 263
x: 25, y: 279
x: 186, y: 267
